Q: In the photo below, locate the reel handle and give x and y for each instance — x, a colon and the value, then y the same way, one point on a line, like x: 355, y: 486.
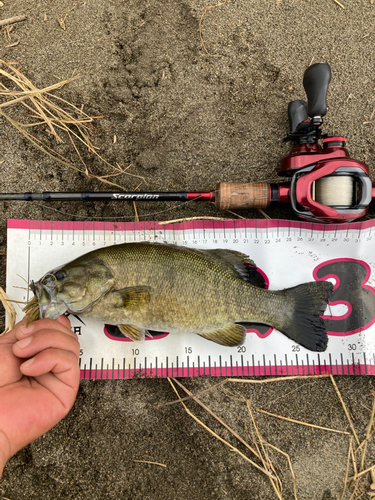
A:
x: 316, y: 81
x: 235, y: 195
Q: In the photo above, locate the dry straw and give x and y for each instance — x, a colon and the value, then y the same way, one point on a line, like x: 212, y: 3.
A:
x: 353, y: 484
x: 64, y: 121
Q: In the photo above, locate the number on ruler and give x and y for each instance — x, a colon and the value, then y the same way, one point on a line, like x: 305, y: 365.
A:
x: 351, y: 290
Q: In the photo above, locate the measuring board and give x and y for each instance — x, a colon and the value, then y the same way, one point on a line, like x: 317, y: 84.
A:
x: 286, y: 253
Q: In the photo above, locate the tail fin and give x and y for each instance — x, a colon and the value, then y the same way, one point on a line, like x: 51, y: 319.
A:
x: 306, y: 326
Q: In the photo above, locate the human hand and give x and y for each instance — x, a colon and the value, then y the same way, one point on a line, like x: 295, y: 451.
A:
x: 35, y: 394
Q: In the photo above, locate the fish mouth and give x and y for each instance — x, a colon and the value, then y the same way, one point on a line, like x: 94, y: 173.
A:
x: 49, y: 307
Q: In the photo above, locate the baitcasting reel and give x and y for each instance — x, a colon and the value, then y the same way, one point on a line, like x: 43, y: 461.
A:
x: 326, y: 184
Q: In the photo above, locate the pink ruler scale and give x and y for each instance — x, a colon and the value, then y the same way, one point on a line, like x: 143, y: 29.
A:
x: 286, y: 252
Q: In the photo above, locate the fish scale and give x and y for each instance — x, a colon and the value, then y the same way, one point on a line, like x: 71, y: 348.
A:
x: 286, y: 254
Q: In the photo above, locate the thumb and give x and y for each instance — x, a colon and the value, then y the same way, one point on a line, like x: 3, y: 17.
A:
x: 64, y: 320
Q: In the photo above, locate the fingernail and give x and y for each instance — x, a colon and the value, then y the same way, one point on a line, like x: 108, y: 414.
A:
x: 24, y: 342
x: 26, y: 330
x: 28, y: 363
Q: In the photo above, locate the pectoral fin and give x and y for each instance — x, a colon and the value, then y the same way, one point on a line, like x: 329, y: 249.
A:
x: 133, y: 332
x: 132, y: 297
x: 231, y: 335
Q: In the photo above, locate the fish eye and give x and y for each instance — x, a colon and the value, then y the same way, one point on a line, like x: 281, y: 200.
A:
x: 59, y: 275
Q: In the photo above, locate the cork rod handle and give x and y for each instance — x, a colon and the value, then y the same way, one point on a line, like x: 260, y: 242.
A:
x: 232, y: 195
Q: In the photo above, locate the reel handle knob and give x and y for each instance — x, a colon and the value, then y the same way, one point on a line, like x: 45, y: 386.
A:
x: 316, y: 81
x: 235, y: 195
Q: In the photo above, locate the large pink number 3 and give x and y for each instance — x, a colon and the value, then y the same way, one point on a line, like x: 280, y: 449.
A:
x: 350, y: 289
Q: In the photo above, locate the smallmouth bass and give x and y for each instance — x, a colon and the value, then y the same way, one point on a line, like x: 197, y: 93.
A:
x: 160, y: 287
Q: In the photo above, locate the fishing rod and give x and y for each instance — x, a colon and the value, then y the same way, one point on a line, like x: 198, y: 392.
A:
x: 325, y: 185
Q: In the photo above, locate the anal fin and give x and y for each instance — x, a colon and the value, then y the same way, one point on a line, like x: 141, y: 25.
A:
x: 133, y: 332
x: 231, y: 335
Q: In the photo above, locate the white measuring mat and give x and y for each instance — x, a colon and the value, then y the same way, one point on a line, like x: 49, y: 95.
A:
x: 286, y: 253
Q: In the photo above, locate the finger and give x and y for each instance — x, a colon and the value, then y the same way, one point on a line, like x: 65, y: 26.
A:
x: 64, y: 320
x: 42, y: 324
x: 45, y: 339
x: 56, y: 370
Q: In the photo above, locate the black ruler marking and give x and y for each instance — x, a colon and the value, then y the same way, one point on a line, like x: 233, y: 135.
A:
x: 342, y: 363
x: 101, y: 368
x: 90, y: 365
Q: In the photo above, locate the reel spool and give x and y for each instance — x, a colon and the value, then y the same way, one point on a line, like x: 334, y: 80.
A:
x: 334, y: 190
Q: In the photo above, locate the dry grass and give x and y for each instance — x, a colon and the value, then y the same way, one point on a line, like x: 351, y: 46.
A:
x: 355, y: 466
x: 9, y: 309
x: 64, y: 121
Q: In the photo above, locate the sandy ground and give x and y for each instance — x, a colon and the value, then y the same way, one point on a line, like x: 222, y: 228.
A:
x: 184, y: 120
